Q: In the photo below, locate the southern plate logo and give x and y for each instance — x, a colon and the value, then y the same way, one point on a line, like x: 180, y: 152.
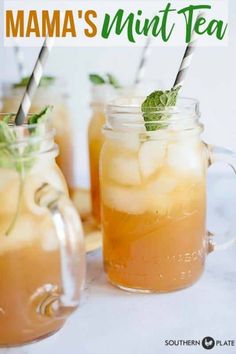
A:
x: 208, y: 343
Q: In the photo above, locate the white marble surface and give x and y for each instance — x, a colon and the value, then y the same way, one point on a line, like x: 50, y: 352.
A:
x: 111, y: 321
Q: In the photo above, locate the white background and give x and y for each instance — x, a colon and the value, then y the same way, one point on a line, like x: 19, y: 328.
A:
x: 149, y: 10
x: 117, y: 322
x: 211, y: 79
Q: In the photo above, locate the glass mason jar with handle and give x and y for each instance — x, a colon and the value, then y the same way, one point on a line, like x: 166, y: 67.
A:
x: 51, y: 92
x: 42, y: 259
x: 153, y: 187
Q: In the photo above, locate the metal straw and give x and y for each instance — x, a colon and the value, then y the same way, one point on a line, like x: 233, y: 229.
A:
x: 143, y: 62
x: 33, y: 82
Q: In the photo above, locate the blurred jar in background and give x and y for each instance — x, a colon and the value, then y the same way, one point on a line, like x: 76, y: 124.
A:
x: 102, y: 94
x: 52, y: 91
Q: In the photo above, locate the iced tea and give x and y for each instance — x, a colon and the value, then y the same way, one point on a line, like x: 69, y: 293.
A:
x: 32, y: 194
x: 153, y: 204
x: 100, y: 97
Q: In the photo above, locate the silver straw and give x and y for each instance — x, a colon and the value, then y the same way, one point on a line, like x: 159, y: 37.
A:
x: 143, y: 62
x: 187, y: 59
x: 20, y: 61
x: 33, y: 82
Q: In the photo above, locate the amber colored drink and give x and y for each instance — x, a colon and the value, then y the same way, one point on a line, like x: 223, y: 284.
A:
x: 96, y: 140
x: 101, y: 95
x: 153, y: 209
x: 29, y: 256
x: 25, y: 270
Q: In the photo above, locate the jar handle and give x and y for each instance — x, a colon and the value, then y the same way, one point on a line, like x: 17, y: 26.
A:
x: 220, y: 154
x: 72, y: 251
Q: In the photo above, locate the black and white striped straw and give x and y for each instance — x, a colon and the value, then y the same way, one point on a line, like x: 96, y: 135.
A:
x: 187, y: 59
x: 20, y: 61
x: 143, y: 62
x: 33, y: 82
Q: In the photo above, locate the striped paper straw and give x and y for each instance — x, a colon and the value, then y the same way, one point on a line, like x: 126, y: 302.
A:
x: 20, y: 61
x: 143, y: 62
x: 33, y: 82
x: 187, y: 59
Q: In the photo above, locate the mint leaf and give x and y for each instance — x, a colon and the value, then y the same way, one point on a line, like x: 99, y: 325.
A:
x: 112, y: 80
x: 7, y: 138
x: 7, y: 118
x: 96, y: 79
x: 17, y: 156
x: 38, y: 117
x: 107, y: 79
x: 6, y: 134
x: 158, y: 101
x: 45, y: 81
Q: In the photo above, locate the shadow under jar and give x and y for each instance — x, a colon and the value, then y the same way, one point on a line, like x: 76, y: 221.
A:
x: 42, y: 265
x: 153, y: 187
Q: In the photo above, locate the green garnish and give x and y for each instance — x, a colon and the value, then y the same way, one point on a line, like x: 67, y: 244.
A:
x: 39, y: 117
x: 7, y: 118
x: 20, y: 155
x: 45, y: 81
x: 113, y: 81
x: 106, y: 79
x: 21, y: 158
x: 158, y: 101
x: 96, y: 79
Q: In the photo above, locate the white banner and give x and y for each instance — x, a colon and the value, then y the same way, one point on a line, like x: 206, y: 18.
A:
x: 115, y: 23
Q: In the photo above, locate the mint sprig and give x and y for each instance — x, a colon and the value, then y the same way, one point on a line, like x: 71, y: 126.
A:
x: 17, y: 154
x: 45, y: 81
x: 96, y: 79
x: 106, y: 79
x: 41, y: 116
x: 112, y: 80
x: 158, y: 101
x: 20, y: 158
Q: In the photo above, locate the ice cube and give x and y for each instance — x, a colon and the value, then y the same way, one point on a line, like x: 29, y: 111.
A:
x: 9, y: 190
x: 124, y: 199
x: 160, y: 194
x: 124, y: 169
x: 151, y: 156
x: 185, y: 157
x: 129, y: 141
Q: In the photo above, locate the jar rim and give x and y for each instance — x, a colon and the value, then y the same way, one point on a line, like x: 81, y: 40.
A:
x: 47, y: 123
x: 58, y: 86
x: 126, y: 114
x: 25, y: 135
x: 135, y: 102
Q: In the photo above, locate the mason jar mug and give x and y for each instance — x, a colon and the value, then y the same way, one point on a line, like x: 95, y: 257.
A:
x: 153, y: 188
x: 42, y: 259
